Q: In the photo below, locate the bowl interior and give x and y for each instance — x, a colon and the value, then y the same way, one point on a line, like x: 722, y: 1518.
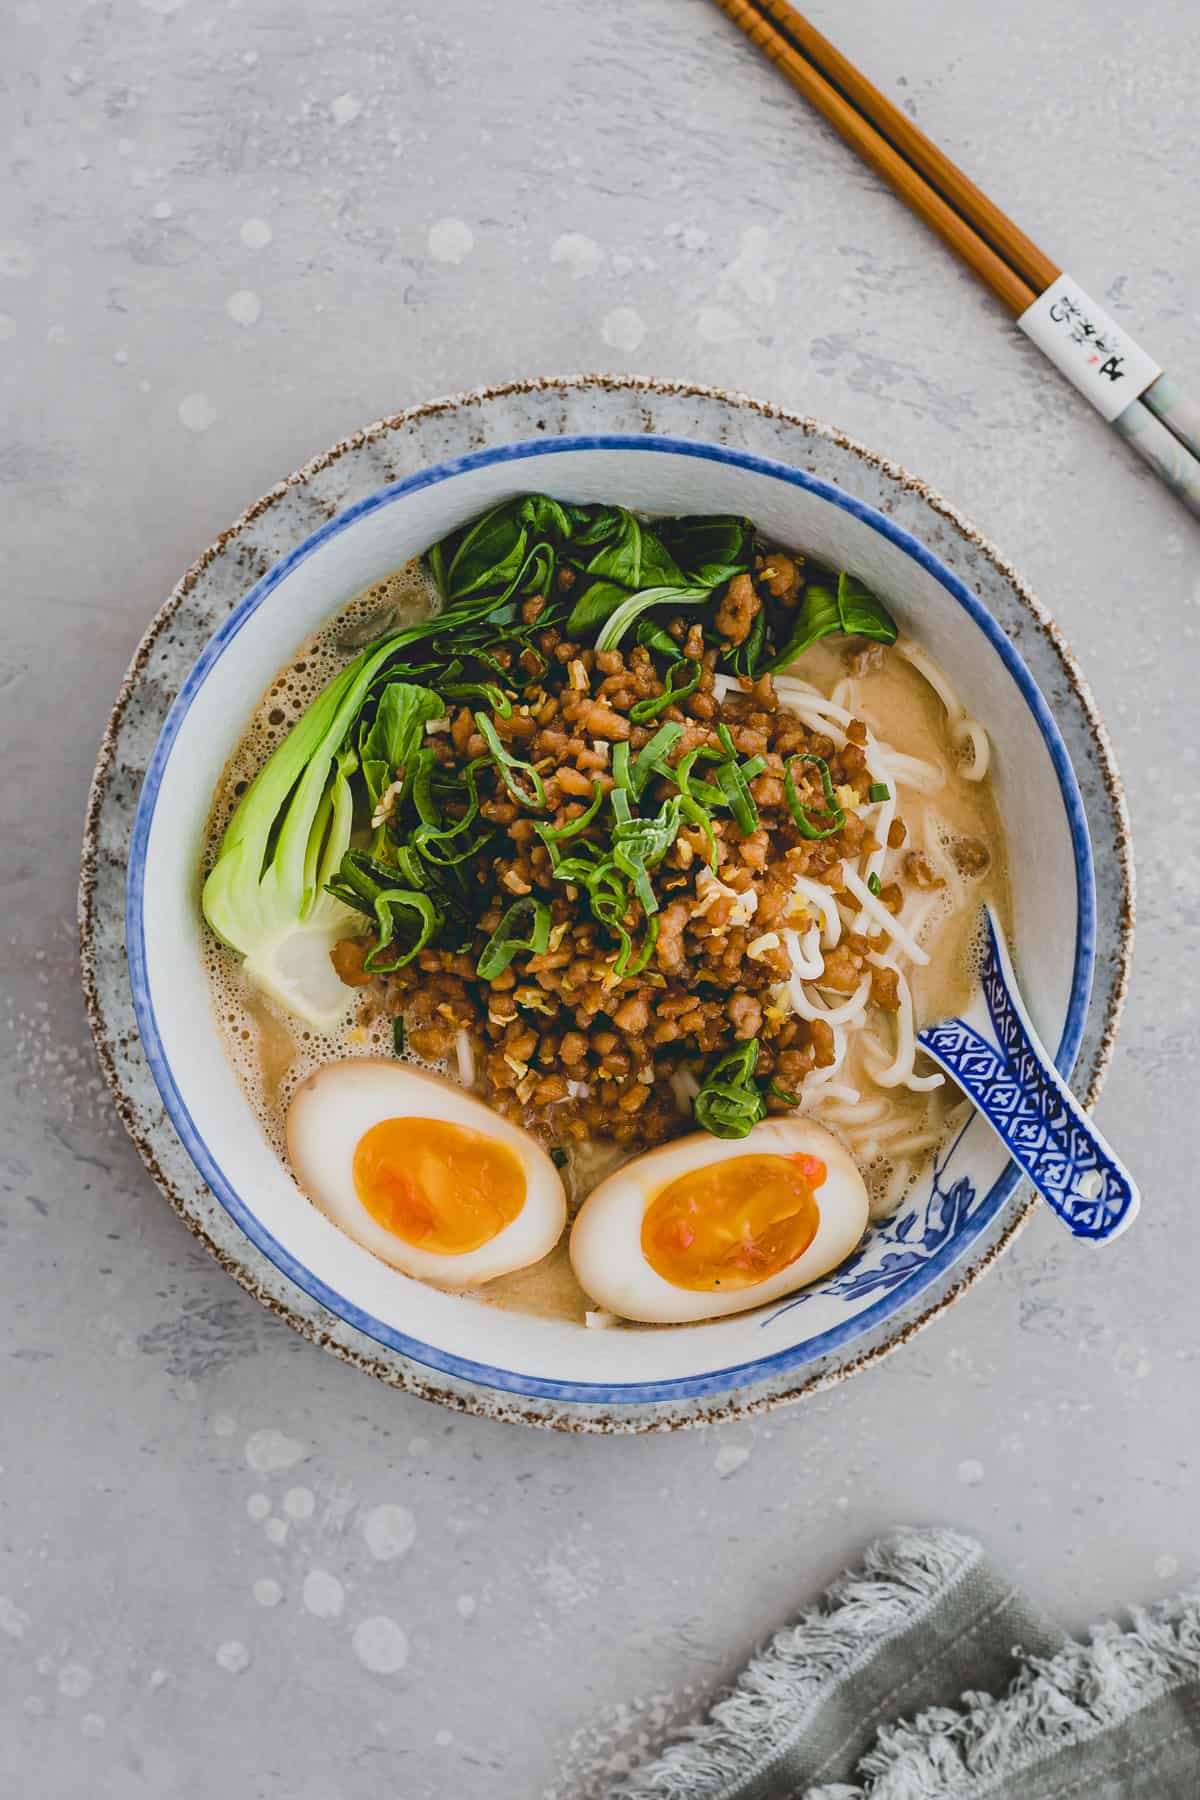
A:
x: 1052, y: 901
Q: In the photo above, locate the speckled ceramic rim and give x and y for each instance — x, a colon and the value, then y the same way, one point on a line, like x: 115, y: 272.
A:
x: 598, y: 1394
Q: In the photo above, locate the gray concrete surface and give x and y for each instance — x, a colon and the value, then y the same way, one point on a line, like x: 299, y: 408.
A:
x: 230, y: 234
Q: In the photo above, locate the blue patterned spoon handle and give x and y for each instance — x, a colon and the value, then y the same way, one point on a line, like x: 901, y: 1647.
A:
x: 1008, y: 1074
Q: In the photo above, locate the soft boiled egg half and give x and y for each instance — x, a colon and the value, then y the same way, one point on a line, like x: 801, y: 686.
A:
x: 422, y: 1175
x: 706, y: 1226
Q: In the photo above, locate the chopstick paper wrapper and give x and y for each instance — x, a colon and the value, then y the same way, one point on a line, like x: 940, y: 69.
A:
x: 1111, y: 369
x: 1088, y: 347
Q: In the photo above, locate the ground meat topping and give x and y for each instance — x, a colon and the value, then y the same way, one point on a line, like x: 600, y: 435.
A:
x: 564, y: 1038
x: 737, y: 611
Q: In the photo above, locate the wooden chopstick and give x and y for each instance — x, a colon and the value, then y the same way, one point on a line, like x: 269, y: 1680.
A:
x: 875, y: 149
x: 1032, y: 264
x: 1151, y: 412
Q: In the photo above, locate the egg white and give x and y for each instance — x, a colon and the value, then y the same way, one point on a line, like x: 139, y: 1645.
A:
x: 339, y: 1102
x: 606, y: 1238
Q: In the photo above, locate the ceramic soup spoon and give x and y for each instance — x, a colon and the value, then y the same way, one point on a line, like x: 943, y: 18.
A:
x: 997, y: 1059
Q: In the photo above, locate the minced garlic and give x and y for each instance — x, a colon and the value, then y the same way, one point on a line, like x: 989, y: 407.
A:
x: 711, y: 889
x: 768, y: 941
x: 387, y: 805
x: 532, y: 999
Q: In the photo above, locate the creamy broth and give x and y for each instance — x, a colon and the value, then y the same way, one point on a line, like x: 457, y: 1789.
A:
x: 902, y: 709
x: 891, y: 1131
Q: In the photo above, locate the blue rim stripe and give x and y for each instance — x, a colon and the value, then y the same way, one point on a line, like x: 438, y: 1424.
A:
x: 483, y: 1374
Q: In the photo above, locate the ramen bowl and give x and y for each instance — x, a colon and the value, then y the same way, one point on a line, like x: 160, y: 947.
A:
x: 452, y: 1347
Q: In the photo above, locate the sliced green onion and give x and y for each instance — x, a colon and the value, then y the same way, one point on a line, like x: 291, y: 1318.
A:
x: 645, y: 710
x: 732, y: 781
x: 608, y: 892
x: 579, y: 868
x: 639, y: 845
x: 651, y: 758
x: 703, y: 792
x: 625, y: 950
x: 431, y: 837
x: 408, y: 866
x: 371, y: 886
x: 682, y: 771
x: 511, y: 766
x: 622, y: 780
x: 447, y: 849
x: 874, y: 885
x: 557, y: 834
x: 401, y: 900
x: 398, y: 1036
x: 647, y: 948
x: 730, y: 1102
x: 806, y: 826
x: 692, y: 809
x: 784, y: 1094
x: 505, y: 941
x: 633, y: 866
x: 497, y: 699
x: 878, y: 791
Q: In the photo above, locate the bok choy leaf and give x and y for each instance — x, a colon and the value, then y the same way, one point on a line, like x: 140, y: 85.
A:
x: 266, y: 893
x: 386, y: 747
x: 853, y: 610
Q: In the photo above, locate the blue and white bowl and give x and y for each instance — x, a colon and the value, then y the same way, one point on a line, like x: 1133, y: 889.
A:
x: 453, y: 1347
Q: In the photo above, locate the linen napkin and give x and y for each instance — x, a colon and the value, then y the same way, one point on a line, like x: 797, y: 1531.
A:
x: 926, y: 1675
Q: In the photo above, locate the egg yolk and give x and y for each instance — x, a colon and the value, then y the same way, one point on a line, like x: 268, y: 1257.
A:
x: 734, y: 1223
x: 439, y: 1186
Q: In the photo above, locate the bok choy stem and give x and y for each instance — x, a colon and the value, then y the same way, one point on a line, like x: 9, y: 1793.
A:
x: 265, y: 895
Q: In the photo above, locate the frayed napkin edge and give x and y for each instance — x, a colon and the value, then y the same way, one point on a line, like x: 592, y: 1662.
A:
x: 1054, y: 1704
x: 903, y: 1576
